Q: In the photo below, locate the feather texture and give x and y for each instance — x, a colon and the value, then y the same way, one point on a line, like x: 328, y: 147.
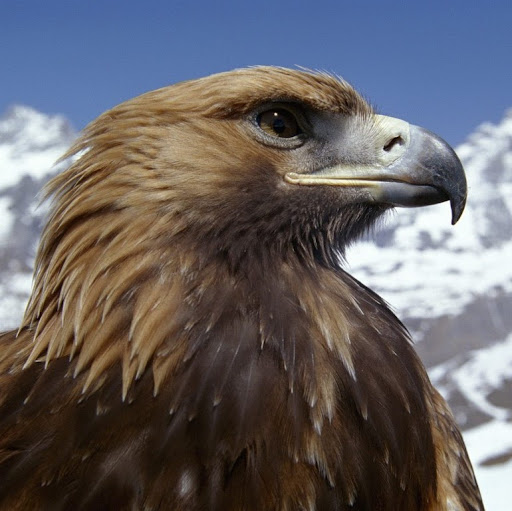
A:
x: 191, y: 341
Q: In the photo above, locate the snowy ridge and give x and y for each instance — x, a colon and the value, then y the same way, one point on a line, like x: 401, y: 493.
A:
x: 478, y: 376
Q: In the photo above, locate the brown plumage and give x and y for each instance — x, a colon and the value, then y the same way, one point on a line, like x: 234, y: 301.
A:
x: 191, y: 341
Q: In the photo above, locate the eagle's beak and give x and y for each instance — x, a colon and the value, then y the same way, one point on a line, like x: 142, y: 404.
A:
x: 403, y: 165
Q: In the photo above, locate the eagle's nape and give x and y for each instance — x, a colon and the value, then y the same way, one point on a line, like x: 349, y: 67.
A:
x: 191, y: 341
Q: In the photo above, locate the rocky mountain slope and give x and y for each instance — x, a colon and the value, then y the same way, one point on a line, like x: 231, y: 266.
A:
x: 451, y: 284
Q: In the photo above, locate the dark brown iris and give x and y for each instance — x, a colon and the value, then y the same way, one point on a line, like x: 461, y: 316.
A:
x: 279, y: 122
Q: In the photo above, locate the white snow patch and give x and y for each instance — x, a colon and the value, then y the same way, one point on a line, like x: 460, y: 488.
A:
x: 14, y: 293
x: 21, y: 283
x: 489, y: 440
x: 11, y: 310
x: 434, y: 281
x: 485, y: 371
x: 30, y: 143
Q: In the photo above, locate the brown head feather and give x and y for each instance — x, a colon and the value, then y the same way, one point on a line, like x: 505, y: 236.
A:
x: 151, y: 201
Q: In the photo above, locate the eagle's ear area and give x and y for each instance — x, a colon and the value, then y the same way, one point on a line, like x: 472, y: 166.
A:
x: 394, y: 163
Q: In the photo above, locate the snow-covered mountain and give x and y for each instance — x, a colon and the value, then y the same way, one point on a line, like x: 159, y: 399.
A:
x: 30, y: 144
x: 451, y: 284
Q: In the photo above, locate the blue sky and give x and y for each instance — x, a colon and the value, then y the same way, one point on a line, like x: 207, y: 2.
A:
x: 444, y: 65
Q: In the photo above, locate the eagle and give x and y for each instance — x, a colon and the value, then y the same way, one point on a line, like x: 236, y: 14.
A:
x: 192, y: 340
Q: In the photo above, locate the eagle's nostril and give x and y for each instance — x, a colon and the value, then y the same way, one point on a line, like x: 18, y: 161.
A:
x: 398, y: 140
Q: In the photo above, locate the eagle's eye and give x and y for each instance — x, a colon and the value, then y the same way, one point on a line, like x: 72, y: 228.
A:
x: 279, y: 122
